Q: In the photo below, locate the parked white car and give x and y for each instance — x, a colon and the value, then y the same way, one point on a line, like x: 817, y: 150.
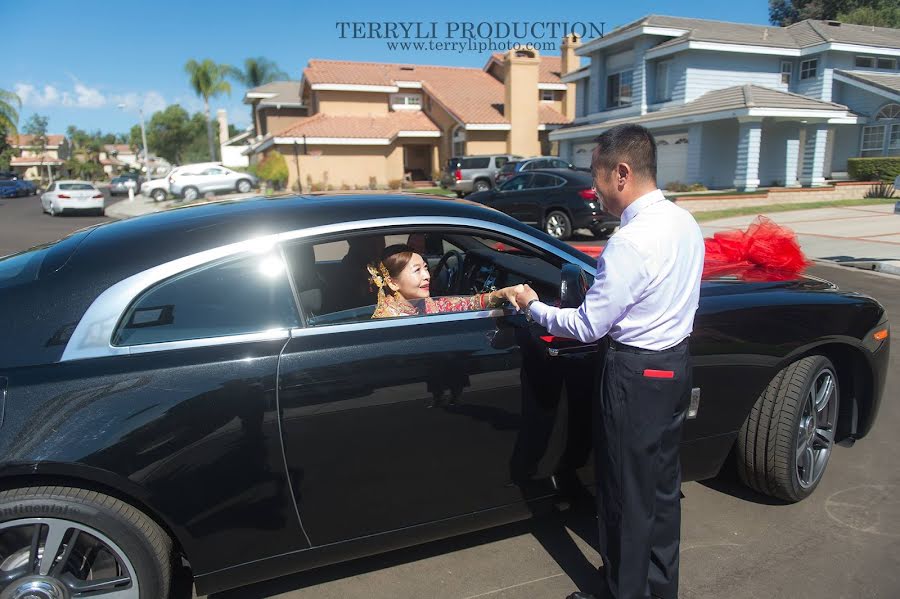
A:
x: 67, y: 196
x: 195, y: 180
x: 158, y: 189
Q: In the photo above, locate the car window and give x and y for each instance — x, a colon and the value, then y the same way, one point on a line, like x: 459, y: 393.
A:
x: 544, y: 180
x: 245, y: 295
x: 468, y: 163
x: 559, y: 163
x: 516, y: 183
x: 52, y: 187
x: 509, y: 167
x: 499, y: 161
x: 76, y: 186
x: 334, y: 285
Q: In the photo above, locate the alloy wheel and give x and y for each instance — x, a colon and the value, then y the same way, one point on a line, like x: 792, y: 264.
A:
x: 555, y: 226
x: 815, y: 433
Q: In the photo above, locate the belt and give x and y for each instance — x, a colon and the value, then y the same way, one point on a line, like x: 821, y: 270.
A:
x: 639, y: 350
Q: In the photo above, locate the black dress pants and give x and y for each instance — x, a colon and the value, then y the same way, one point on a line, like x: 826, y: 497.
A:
x: 643, y: 399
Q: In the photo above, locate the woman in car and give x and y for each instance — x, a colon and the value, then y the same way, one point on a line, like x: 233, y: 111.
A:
x: 405, y: 275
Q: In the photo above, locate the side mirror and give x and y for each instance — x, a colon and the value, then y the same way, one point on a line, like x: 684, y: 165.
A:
x: 572, y: 286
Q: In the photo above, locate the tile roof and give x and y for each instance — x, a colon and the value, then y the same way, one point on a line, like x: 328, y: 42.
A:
x: 25, y: 141
x: 739, y: 97
x: 362, y: 127
x: 119, y: 148
x: 34, y: 160
x: 799, y: 35
x: 550, y: 67
x: 111, y: 162
x: 285, y: 92
x: 884, y: 81
x: 472, y: 95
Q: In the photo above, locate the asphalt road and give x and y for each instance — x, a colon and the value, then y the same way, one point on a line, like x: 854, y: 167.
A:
x: 843, y: 542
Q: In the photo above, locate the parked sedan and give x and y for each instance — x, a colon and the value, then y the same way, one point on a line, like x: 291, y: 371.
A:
x: 72, y: 196
x: 510, y: 169
x: 121, y: 185
x: 207, y: 386
x: 9, y: 189
x: 193, y: 181
x: 558, y: 201
x: 26, y: 188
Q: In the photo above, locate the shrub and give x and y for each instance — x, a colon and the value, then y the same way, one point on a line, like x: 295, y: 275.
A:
x: 697, y: 187
x: 395, y: 183
x: 873, y: 169
x: 880, y: 190
x: 273, y: 168
x: 373, y: 183
x: 344, y: 186
x: 317, y: 186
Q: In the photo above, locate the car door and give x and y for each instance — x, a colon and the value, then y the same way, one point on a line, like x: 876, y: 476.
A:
x: 393, y: 423
x: 511, y: 195
x: 544, y: 190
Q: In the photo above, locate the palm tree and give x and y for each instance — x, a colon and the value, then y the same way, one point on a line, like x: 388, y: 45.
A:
x: 257, y: 71
x: 9, y: 115
x: 208, y: 80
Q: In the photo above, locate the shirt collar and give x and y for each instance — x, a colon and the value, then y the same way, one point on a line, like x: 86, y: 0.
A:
x: 648, y: 199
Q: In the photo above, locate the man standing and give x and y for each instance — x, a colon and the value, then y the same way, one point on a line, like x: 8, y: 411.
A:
x: 643, y: 301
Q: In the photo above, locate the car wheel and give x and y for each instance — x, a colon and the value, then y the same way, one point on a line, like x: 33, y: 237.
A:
x: 558, y: 225
x: 482, y: 185
x: 53, y: 211
x: 190, y: 193
x: 460, y: 194
x: 159, y: 195
x: 244, y: 186
x: 784, y: 445
x: 69, y: 542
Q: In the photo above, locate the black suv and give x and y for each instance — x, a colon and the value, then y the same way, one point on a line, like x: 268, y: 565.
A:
x: 558, y: 201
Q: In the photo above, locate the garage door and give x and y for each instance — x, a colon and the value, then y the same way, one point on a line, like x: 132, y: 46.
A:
x: 671, y: 159
x: 581, y: 155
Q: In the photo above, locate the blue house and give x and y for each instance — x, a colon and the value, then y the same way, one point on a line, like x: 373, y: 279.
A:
x: 743, y: 106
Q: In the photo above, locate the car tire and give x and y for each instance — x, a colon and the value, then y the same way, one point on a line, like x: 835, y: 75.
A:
x: 481, y: 185
x: 460, y: 194
x: 244, y: 186
x: 558, y: 225
x: 53, y: 211
x: 190, y: 193
x: 784, y: 445
x: 122, y: 542
x: 159, y: 195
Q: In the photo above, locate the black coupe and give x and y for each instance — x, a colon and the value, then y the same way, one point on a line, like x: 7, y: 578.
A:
x: 206, y: 386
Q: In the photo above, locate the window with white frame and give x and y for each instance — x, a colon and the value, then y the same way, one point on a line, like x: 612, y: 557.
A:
x: 882, y: 137
x: 809, y: 69
x: 406, y: 101
x: 873, y: 140
x: 865, y: 62
x: 893, y: 148
x: 548, y: 95
x: 787, y: 69
x: 618, y: 89
x: 887, y: 63
x: 662, y: 82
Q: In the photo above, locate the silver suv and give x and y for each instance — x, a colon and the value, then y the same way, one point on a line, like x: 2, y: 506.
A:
x: 465, y: 174
x: 193, y: 181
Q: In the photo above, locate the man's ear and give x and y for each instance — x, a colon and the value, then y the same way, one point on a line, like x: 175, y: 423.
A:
x: 623, y: 172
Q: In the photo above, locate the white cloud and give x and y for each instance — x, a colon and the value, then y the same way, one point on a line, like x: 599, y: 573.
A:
x: 84, y: 96
x: 88, y: 97
x: 32, y: 96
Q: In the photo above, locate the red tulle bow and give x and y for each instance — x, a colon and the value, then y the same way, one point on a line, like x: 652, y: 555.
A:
x: 764, y: 245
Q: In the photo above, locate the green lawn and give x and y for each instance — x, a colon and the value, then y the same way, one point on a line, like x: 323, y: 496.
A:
x: 440, y: 191
x: 745, y: 210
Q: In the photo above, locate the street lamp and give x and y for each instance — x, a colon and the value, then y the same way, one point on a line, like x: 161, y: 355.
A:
x: 143, y: 141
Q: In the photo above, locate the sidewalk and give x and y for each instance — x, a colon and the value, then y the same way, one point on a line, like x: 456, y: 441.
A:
x: 143, y: 205
x: 862, y: 236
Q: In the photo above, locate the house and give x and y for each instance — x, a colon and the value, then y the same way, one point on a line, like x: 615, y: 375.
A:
x: 32, y: 163
x: 118, y: 157
x: 738, y: 105
x: 231, y: 149
x: 379, y: 123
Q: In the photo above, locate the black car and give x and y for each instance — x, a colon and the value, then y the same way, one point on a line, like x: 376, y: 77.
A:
x: 558, y: 201
x: 206, y: 386
x: 510, y: 169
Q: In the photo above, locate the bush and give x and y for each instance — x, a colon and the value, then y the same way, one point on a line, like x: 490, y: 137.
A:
x: 373, y: 183
x: 395, y: 183
x: 273, y: 168
x: 317, y: 187
x: 880, y: 190
x: 873, y: 169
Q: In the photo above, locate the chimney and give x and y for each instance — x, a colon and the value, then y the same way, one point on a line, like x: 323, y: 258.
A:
x: 521, y: 101
x: 222, y: 117
x: 570, y: 62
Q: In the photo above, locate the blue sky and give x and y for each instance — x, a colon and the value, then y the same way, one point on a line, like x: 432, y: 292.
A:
x: 76, y: 61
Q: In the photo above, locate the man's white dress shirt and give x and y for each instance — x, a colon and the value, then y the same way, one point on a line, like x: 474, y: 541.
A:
x: 647, y: 286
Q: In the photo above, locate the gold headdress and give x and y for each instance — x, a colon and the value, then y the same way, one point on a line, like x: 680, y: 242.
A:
x: 378, y: 276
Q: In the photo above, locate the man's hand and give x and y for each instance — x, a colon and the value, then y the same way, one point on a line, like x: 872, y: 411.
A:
x: 525, y: 296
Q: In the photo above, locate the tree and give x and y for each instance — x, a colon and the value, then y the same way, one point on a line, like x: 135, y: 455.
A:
x: 9, y: 114
x: 273, y: 168
x: 208, y: 81
x: 257, y: 71
x: 36, y: 127
x: 175, y: 135
x: 881, y: 13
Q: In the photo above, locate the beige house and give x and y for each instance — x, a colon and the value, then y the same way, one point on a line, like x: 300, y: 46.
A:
x: 31, y: 163
x: 365, y: 124
x: 117, y: 157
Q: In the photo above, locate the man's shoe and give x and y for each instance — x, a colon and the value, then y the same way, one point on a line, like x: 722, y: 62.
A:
x: 580, y: 595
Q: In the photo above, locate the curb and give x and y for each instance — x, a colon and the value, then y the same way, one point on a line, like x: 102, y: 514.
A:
x: 871, y: 266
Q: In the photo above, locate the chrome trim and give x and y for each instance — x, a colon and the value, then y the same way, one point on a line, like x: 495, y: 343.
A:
x: 386, y: 323
x: 272, y: 335
x: 93, y: 334
x: 695, y: 403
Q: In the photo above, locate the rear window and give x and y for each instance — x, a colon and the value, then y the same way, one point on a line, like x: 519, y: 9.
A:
x: 499, y: 161
x: 509, y: 167
x: 76, y: 186
x: 469, y: 163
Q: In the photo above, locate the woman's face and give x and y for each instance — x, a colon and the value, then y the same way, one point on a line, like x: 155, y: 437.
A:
x: 414, y: 281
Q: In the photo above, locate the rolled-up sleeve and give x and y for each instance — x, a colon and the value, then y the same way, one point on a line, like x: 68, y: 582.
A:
x: 621, y: 280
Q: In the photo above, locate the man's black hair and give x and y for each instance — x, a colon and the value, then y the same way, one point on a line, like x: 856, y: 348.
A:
x: 631, y: 144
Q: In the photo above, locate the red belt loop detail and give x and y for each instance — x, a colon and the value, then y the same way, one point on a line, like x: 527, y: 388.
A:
x: 659, y: 374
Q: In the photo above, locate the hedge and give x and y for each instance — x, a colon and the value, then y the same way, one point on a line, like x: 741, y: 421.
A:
x: 873, y: 169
